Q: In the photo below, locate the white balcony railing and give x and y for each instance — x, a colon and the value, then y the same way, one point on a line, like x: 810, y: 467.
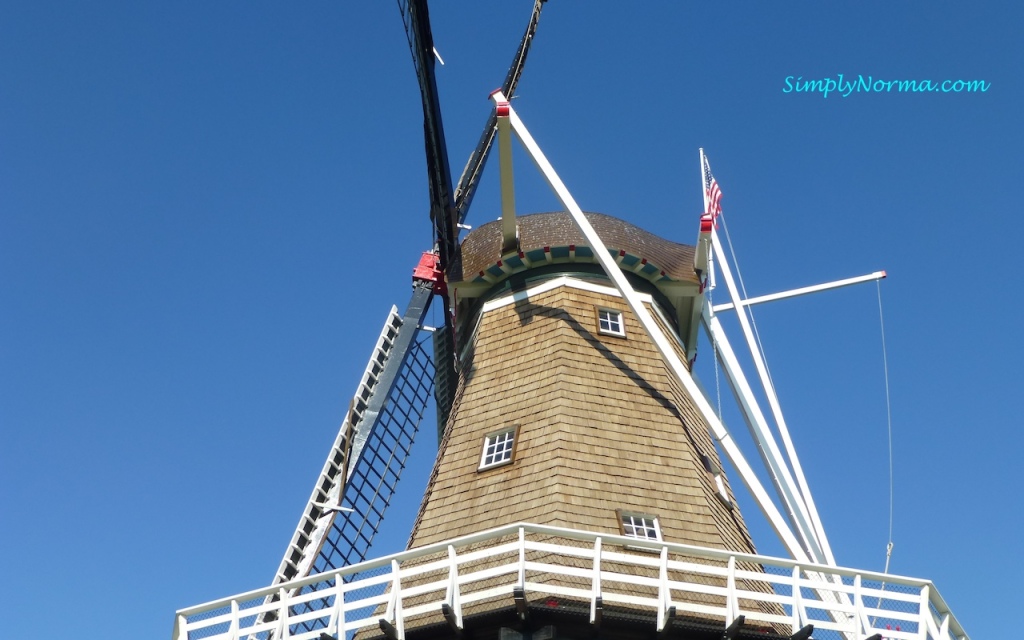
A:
x: 525, y: 565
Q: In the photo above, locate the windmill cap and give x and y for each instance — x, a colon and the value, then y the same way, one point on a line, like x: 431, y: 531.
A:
x: 556, y: 233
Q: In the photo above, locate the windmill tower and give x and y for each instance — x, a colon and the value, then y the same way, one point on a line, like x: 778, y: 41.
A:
x: 578, y: 490
x: 566, y: 413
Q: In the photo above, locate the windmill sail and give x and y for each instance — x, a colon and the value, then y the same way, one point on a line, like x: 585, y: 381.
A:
x: 366, y: 460
x: 470, y: 178
x: 363, y: 468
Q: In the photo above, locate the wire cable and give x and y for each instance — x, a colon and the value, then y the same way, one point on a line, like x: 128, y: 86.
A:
x: 714, y: 347
x: 888, y: 415
x: 745, y: 309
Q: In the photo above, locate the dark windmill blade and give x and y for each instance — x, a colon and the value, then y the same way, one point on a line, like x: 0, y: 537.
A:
x: 444, y: 341
x: 470, y: 178
x: 362, y: 470
x: 439, y: 177
x: 374, y: 442
x: 416, y: 19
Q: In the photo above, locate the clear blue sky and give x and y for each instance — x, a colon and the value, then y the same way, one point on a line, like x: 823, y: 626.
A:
x: 206, y: 209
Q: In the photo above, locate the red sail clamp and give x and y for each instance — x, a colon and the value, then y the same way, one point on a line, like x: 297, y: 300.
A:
x: 700, y: 256
x: 429, y: 270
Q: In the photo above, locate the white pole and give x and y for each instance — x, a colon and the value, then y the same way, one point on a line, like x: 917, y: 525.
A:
x: 717, y: 429
x: 762, y: 435
x: 703, y: 180
x: 773, y: 401
x: 792, y: 293
x: 704, y: 192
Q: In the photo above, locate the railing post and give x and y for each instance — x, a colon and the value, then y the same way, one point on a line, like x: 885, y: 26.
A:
x: 522, y: 558
x: 399, y: 614
x: 233, y: 628
x: 452, y: 596
x: 393, y: 622
x: 595, y: 592
x: 282, y: 614
x: 337, y: 622
x: 922, y: 624
x: 860, y: 629
x: 665, y: 610
x: 180, y: 628
x: 519, y: 591
x: 731, y: 602
x: 798, y: 606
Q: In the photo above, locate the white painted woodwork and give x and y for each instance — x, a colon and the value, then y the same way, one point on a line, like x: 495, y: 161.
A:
x: 409, y: 588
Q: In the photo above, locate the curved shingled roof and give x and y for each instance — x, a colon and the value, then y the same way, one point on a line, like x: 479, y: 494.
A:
x: 481, y: 248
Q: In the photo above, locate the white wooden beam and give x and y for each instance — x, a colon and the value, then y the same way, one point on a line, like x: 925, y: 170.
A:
x: 785, y: 487
x: 675, y: 365
x: 509, y: 234
x: 773, y: 401
x: 792, y: 293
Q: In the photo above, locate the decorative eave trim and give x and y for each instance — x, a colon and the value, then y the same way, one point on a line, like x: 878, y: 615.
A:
x: 551, y: 285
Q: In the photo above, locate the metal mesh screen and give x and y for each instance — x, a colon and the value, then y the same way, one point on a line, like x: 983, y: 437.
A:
x: 375, y: 476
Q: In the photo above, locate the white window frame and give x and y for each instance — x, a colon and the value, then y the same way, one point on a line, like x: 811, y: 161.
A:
x: 647, y: 522
x: 509, y: 436
x: 614, y: 318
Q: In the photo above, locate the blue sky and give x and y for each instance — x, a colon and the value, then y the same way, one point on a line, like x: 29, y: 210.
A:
x: 206, y: 210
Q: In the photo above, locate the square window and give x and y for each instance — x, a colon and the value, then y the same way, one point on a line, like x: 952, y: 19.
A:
x: 640, y: 526
x: 609, y: 321
x: 498, y: 447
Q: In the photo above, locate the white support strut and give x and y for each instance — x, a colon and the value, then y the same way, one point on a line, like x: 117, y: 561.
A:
x: 773, y: 460
x: 792, y: 293
x: 773, y: 400
x: 675, y: 365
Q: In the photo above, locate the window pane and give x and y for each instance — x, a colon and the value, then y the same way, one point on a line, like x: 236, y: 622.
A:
x: 645, y: 527
x: 609, y: 321
x: 498, y: 448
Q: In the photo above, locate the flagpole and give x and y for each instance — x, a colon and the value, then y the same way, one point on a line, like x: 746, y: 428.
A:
x: 704, y: 191
x: 703, y: 180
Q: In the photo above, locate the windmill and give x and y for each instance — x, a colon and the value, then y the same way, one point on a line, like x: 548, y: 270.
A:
x: 564, y: 391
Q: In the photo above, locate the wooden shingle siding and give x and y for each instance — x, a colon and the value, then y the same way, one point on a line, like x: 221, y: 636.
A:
x: 602, y: 426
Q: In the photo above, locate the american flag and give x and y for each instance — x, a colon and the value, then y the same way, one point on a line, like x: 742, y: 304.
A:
x: 714, y: 194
